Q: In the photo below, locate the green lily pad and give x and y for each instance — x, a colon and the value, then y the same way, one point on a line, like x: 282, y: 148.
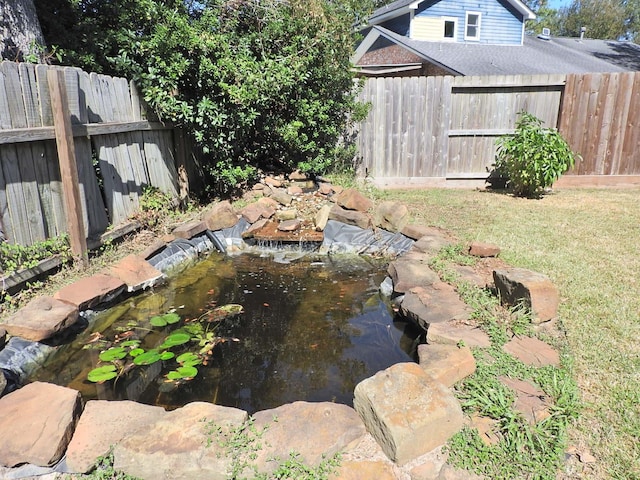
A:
x: 114, y: 353
x: 163, y: 320
x: 130, y: 343
x: 136, y: 351
x: 189, y: 359
x: 102, y: 374
x: 182, y: 373
x: 167, y: 355
x: 147, y: 358
x: 175, y: 339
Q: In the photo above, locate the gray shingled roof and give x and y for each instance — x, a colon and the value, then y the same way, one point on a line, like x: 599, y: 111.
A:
x: 535, y: 56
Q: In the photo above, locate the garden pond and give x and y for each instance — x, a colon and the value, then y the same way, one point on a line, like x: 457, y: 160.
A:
x: 243, y: 331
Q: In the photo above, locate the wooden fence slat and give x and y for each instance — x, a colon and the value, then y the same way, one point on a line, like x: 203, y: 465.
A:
x: 27, y: 73
x: 630, y: 160
x: 16, y: 109
x: 16, y: 203
x: 44, y: 98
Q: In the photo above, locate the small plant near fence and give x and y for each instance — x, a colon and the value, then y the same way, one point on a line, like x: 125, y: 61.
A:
x: 14, y: 257
x: 532, y: 158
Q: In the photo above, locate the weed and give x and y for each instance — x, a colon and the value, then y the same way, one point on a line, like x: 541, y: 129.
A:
x: 14, y: 257
x: 103, y: 470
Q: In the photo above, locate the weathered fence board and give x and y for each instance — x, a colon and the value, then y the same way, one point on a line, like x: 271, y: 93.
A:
x: 446, y: 127
x: 108, y: 125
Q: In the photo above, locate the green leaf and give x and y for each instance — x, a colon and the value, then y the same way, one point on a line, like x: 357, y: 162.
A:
x: 175, y: 339
x: 171, y: 318
x: 136, y: 351
x: 102, y: 374
x: 189, y: 359
x: 114, y: 353
x: 182, y: 373
x: 167, y: 355
x: 158, y: 321
x: 130, y: 343
x: 147, y: 358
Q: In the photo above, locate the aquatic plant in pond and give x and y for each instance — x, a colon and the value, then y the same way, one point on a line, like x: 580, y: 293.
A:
x: 119, y: 359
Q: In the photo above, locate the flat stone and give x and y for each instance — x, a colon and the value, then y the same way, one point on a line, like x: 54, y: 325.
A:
x: 408, y: 272
x: 322, y: 217
x: 3, y: 337
x: 37, y: 422
x: 257, y: 210
x: 416, y: 232
x: 452, y: 333
x: 282, y: 197
x: 41, y: 318
x: 136, y: 273
x: 325, y: 188
x: 290, y: 225
x: 268, y: 202
x: 91, y: 291
x: 220, y: 216
x: 435, y: 303
x: 298, y: 176
x: 468, y: 274
x: 114, y: 420
x: 534, y: 290
x: 391, y: 216
x: 185, y: 444
x: 364, y: 469
x: 451, y: 473
x: 256, y: 227
x: 532, y: 351
x: 314, y: 430
x: 350, y: 217
x: 190, y: 229
x: 272, y: 182
x: 426, y: 470
x: 294, y: 190
x: 407, y: 411
x: 155, y: 247
x: 3, y: 382
x: 531, y: 401
x: 480, y: 249
x: 287, y: 214
x: 487, y: 428
x: 448, y: 364
x: 352, y: 199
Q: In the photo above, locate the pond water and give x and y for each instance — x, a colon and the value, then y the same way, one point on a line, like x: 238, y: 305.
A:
x: 310, y: 330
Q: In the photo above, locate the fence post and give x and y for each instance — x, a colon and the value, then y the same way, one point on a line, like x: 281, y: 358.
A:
x: 68, y: 166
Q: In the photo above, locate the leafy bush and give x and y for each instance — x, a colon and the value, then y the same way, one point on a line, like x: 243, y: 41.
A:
x: 532, y: 158
x: 256, y: 84
x: 14, y: 257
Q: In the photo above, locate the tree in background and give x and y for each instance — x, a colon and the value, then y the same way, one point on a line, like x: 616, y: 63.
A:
x: 603, y: 19
x: 257, y: 84
x: 20, y: 34
x: 546, y: 17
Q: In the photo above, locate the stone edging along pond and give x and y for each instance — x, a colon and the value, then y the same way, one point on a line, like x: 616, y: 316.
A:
x: 401, y: 415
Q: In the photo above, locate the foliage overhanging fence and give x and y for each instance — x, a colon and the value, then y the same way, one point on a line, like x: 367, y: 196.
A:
x: 442, y: 130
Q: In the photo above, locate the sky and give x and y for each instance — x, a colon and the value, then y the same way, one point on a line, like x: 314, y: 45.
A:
x: 559, y: 3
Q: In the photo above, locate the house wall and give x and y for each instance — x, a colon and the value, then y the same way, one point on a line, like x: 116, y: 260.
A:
x: 500, y: 23
x: 399, y: 25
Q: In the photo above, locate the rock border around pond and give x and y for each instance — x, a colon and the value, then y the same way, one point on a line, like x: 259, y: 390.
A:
x: 402, y: 415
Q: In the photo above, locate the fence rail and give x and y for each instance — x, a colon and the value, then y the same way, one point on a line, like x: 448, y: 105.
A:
x: 432, y: 129
x: 118, y: 152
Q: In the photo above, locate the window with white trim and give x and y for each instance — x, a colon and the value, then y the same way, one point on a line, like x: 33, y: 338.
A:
x: 472, y: 26
x: 450, y: 25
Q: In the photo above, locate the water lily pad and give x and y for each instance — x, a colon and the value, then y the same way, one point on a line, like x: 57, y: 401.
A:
x: 114, y: 353
x: 175, y: 339
x: 130, y: 343
x: 136, y: 351
x: 189, y: 359
x: 182, y: 373
x: 102, y: 374
x: 163, y: 320
x: 167, y: 355
x: 147, y: 358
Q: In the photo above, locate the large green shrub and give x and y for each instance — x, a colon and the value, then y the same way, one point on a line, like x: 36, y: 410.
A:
x: 257, y: 84
x: 532, y: 158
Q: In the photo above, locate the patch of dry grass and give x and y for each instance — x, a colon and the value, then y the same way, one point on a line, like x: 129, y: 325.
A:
x: 586, y: 241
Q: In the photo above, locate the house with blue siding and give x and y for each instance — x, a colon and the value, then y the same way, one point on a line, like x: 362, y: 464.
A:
x: 476, y: 37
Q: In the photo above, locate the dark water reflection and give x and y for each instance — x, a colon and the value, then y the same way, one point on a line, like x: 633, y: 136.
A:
x: 311, y: 331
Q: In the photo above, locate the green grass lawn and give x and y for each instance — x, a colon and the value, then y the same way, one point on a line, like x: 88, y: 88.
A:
x: 588, y: 242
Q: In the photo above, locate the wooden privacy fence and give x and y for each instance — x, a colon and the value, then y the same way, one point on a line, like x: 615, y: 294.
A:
x: 118, y: 152
x: 430, y: 130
